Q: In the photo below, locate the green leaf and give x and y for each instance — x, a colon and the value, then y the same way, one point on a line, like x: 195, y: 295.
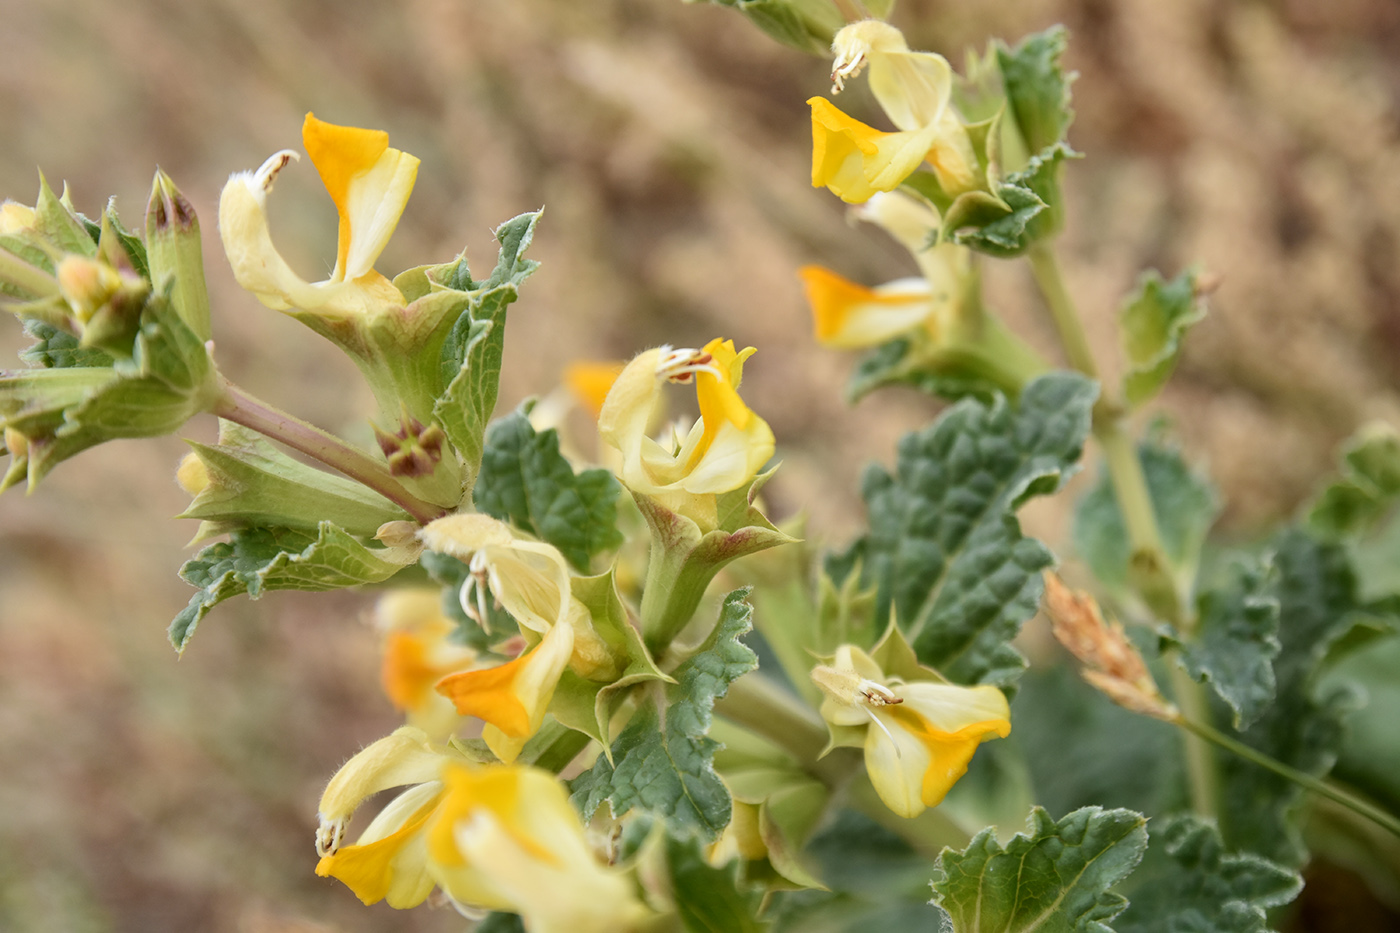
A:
x: 252, y: 483
x: 1037, y: 87
x: 1187, y: 882
x: 525, y: 480
x: 1237, y: 640
x: 64, y: 411
x: 944, y: 547
x: 1120, y: 759
x: 58, y: 349
x: 1012, y: 233
x: 55, y: 223
x: 667, y: 769
x: 1153, y: 322
x: 1054, y: 877
x: 708, y: 899
x: 1318, y: 604
x: 1367, y: 488
x: 259, y: 560
x: 1184, y: 503
x: 471, y: 355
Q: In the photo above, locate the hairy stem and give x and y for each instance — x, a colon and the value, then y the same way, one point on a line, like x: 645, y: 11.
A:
x: 1149, y: 569
x: 1317, y: 785
x: 236, y: 405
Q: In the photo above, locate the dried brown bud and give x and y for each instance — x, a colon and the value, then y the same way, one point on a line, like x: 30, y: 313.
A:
x: 1112, y: 663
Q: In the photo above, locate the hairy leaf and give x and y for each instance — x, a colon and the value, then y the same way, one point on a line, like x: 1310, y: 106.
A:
x: 1153, y: 322
x: 667, y: 768
x: 945, y: 550
x: 1368, y: 487
x: 1012, y: 233
x: 1189, y: 884
x: 252, y: 483
x: 259, y: 560
x: 471, y: 355
x: 1316, y: 591
x: 1037, y: 87
x: 1054, y: 877
x: 58, y: 349
x: 1237, y: 641
x: 525, y: 480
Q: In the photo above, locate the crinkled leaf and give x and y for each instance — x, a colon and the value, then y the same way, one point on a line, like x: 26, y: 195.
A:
x: 944, y: 547
x: 58, y: 349
x: 1053, y: 877
x: 899, y: 363
x: 1184, y: 503
x: 259, y: 560
x: 1153, y: 322
x: 252, y: 483
x: 709, y: 899
x: 667, y: 769
x: 1318, y: 604
x: 525, y: 480
x: 471, y: 355
x: 1012, y: 233
x: 1037, y: 87
x: 1367, y: 488
x: 1236, y: 640
x: 1189, y: 884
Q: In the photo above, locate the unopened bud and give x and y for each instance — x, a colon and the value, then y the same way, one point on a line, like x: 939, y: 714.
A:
x: 86, y: 284
x: 15, y: 218
x: 174, y: 253
x: 1112, y: 663
x: 192, y: 475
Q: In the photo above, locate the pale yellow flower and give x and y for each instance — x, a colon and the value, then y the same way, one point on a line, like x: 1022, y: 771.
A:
x: 492, y: 837
x: 848, y: 315
x: 919, y: 736
x: 915, y: 90
x: 369, y: 183
x: 419, y: 652
x: 530, y: 581
x: 724, y: 450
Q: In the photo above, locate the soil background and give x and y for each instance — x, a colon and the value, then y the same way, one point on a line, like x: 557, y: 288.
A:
x: 670, y: 145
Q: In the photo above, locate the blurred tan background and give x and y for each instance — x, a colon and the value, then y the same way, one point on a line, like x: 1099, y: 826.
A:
x: 670, y: 145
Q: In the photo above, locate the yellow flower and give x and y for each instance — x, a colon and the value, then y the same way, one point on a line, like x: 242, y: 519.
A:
x: 530, y: 581
x: 491, y: 837
x: 848, y: 315
x: 590, y: 380
x: 369, y: 183
x: 920, y: 735
x: 915, y: 90
x: 507, y: 838
x: 418, y: 652
x: 723, y: 450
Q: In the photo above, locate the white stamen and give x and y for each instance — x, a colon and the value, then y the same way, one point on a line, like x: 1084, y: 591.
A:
x: 680, y: 365
x: 329, y: 835
x: 885, y: 729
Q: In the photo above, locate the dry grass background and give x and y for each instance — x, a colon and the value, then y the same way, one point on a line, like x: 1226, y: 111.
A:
x: 670, y: 145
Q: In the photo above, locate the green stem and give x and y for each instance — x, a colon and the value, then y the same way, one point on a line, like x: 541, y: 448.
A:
x: 930, y: 832
x: 1315, y: 784
x: 1046, y: 268
x: 1149, y: 568
x: 236, y: 405
x: 1201, y: 776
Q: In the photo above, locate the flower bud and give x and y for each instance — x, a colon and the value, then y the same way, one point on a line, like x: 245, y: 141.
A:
x: 174, y: 254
